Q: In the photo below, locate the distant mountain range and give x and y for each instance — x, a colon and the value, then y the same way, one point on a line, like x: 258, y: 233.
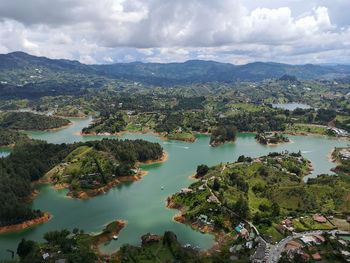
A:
x: 189, y: 71
x: 21, y: 69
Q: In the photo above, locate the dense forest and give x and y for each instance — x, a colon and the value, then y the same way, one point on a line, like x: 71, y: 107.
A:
x: 27, y: 163
x: 30, y: 160
x: 30, y: 121
x: 222, y: 134
x: 8, y: 137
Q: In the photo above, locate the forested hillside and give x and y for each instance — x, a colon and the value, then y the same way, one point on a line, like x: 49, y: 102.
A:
x: 29, y: 121
x: 30, y: 160
x: 23, y: 75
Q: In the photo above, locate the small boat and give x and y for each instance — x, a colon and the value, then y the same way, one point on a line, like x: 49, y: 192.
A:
x: 162, y: 187
x: 202, y: 231
x: 115, y: 237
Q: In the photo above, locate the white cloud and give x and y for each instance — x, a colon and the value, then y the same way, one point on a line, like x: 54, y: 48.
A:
x: 108, y: 59
x: 157, y: 30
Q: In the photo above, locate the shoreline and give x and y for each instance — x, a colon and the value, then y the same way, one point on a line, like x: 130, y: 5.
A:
x: 274, y: 144
x: 178, y: 139
x: 46, y: 179
x: 119, y: 133
x: 8, y: 146
x: 26, y: 224
x: 105, y: 236
x: 317, y: 134
x: 71, y: 117
x: 331, y: 159
x: 163, y: 158
x: 181, y: 219
x: 217, y: 144
x: 160, y: 135
x: 101, y: 190
x: 59, y: 128
x: 49, y: 130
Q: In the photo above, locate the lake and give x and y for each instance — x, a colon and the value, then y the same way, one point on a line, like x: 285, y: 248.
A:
x: 142, y: 204
x: 291, y: 106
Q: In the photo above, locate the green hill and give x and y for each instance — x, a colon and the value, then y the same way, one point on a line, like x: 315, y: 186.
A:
x: 29, y: 121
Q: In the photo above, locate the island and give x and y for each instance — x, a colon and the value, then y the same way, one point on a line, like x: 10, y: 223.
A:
x: 271, y: 138
x: 223, y: 134
x: 91, y: 166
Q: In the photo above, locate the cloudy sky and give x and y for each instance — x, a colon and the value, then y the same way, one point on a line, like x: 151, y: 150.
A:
x: 234, y: 31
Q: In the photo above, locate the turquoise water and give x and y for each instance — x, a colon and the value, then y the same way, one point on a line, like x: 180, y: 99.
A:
x: 346, y: 238
x: 142, y: 204
x: 291, y: 106
x: 4, y: 151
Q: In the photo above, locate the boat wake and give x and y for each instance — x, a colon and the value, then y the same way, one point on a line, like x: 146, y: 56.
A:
x: 306, y: 151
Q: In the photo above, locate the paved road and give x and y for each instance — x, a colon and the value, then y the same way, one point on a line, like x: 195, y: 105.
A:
x: 275, y: 251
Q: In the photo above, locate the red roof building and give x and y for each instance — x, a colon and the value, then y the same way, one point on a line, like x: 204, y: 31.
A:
x: 320, y: 219
x: 320, y: 238
x: 316, y: 257
x: 288, y: 223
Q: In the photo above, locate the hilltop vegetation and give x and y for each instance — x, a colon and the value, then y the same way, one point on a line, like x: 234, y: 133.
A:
x: 19, y: 64
x: 179, y: 99
x: 26, y: 76
x: 8, y: 137
x: 30, y: 160
x: 264, y: 190
x: 223, y: 134
x: 178, y: 118
x: 11, y: 123
x: 28, y: 121
x: 94, y: 166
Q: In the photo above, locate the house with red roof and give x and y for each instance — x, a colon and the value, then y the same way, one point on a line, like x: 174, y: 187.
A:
x: 319, y: 218
x: 316, y: 257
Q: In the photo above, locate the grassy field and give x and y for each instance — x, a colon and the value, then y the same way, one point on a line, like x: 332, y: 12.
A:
x: 306, y: 224
x: 306, y: 128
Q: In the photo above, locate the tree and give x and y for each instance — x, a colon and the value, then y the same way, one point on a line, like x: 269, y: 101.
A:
x: 25, y: 247
x: 275, y: 209
x: 241, y: 159
x: 202, y: 170
x: 216, y: 185
x: 242, y: 207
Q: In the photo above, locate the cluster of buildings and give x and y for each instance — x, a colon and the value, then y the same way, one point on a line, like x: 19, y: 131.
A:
x: 50, y: 257
x: 204, y: 219
x: 297, y: 246
x: 262, y: 252
x: 344, y: 154
x: 244, y: 233
x: 287, y: 224
x: 339, y: 132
